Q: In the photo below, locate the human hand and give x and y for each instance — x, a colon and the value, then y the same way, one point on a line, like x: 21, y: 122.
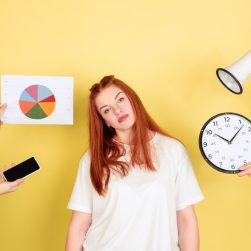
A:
x: 7, y: 187
x: 2, y: 110
x: 245, y: 170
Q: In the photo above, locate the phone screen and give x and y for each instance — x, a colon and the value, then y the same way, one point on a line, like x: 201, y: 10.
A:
x: 21, y: 170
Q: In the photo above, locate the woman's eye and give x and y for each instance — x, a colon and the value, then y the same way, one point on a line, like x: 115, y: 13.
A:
x: 121, y: 99
x: 106, y: 111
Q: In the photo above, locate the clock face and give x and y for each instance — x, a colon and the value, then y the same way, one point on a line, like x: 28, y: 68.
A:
x: 225, y: 142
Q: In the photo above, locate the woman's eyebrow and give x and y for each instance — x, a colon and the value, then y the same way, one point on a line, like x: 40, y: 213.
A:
x: 103, y: 107
x: 117, y: 94
x: 107, y: 105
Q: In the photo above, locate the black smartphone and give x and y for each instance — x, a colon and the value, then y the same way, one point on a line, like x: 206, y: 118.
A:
x: 21, y: 170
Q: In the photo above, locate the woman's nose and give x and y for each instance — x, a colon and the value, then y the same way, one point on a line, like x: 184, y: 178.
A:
x: 117, y: 109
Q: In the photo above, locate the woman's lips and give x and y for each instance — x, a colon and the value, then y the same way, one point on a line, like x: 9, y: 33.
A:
x: 122, y: 118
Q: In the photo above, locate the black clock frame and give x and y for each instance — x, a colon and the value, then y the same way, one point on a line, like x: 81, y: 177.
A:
x: 200, y: 141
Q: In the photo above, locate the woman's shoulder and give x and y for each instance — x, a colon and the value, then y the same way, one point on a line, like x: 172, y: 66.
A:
x: 169, y: 145
x: 84, y: 166
x: 162, y: 139
x: 85, y: 159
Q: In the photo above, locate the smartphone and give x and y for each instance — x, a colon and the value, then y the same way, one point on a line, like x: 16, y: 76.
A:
x: 21, y: 170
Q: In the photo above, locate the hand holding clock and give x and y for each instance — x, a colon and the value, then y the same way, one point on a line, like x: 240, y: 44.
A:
x: 245, y: 170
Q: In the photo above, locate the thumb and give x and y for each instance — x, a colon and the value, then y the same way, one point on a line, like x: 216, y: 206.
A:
x: 2, y: 109
x: 18, y: 182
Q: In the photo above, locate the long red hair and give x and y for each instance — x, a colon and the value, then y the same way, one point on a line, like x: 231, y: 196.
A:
x: 104, y: 151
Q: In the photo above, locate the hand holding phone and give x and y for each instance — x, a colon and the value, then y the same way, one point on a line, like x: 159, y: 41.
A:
x: 21, y: 170
x: 7, y: 187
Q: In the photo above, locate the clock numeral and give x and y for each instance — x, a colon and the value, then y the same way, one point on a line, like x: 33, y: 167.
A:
x: 227, y: 125
x: 227, y: 119
x: 240, y: 121
x: 232, y: 160
x: 219, y: 129
x: 233, y: 166
x: 220, y: 164
x: 210, y: 156
x: 209, y: 132
x: 215, y: 123
x: 236, y: 128
x: 205, y: 144
x: 245, y: 162
x: 249, y: 129
x: 213, y: 144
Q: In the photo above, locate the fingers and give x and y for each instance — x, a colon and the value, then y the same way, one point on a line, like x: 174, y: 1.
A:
x: 5, y: 168
x: 2, y: 179
x: 8, y: 187
x: 3, y: 107
x: 2, y: 110
x: 15, y: 184
x: 245, y: 170
x: 18, y: 182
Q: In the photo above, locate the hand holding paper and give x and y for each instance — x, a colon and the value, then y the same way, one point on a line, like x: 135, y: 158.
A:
x: 2, y: 110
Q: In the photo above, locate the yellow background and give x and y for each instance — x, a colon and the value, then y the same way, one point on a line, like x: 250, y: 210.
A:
x: 168, y: 52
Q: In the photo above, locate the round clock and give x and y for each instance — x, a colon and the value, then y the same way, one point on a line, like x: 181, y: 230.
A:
x: 225, y: 142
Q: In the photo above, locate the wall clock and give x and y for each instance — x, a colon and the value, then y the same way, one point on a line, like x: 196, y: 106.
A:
x: 225, y: 142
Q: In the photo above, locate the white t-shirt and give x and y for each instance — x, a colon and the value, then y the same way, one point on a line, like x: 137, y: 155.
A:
x: 138, y: 213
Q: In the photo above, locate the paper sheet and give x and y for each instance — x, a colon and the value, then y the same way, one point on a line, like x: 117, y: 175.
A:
x: 37, y: 99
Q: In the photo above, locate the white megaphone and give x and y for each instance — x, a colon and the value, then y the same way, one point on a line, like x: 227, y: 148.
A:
x: 234, y: 76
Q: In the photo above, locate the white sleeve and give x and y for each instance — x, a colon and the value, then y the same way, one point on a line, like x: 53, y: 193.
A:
x: 188, y: 190
x: 81, y: 198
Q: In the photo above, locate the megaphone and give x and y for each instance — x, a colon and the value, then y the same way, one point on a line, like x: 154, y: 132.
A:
x: 234, y: 76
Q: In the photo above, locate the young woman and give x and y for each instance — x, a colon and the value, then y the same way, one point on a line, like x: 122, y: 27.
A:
x: 135, y: 187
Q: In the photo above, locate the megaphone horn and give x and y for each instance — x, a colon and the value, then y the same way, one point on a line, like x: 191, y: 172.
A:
x: 234, y: 76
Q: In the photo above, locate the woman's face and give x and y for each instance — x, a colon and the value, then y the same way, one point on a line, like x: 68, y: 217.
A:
x: 115, y: 108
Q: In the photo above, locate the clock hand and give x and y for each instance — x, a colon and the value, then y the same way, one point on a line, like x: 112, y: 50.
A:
x: 230, y: 142
x: 222, y: 138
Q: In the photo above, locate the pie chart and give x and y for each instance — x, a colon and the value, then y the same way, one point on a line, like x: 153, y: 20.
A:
x: 37, y: 102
